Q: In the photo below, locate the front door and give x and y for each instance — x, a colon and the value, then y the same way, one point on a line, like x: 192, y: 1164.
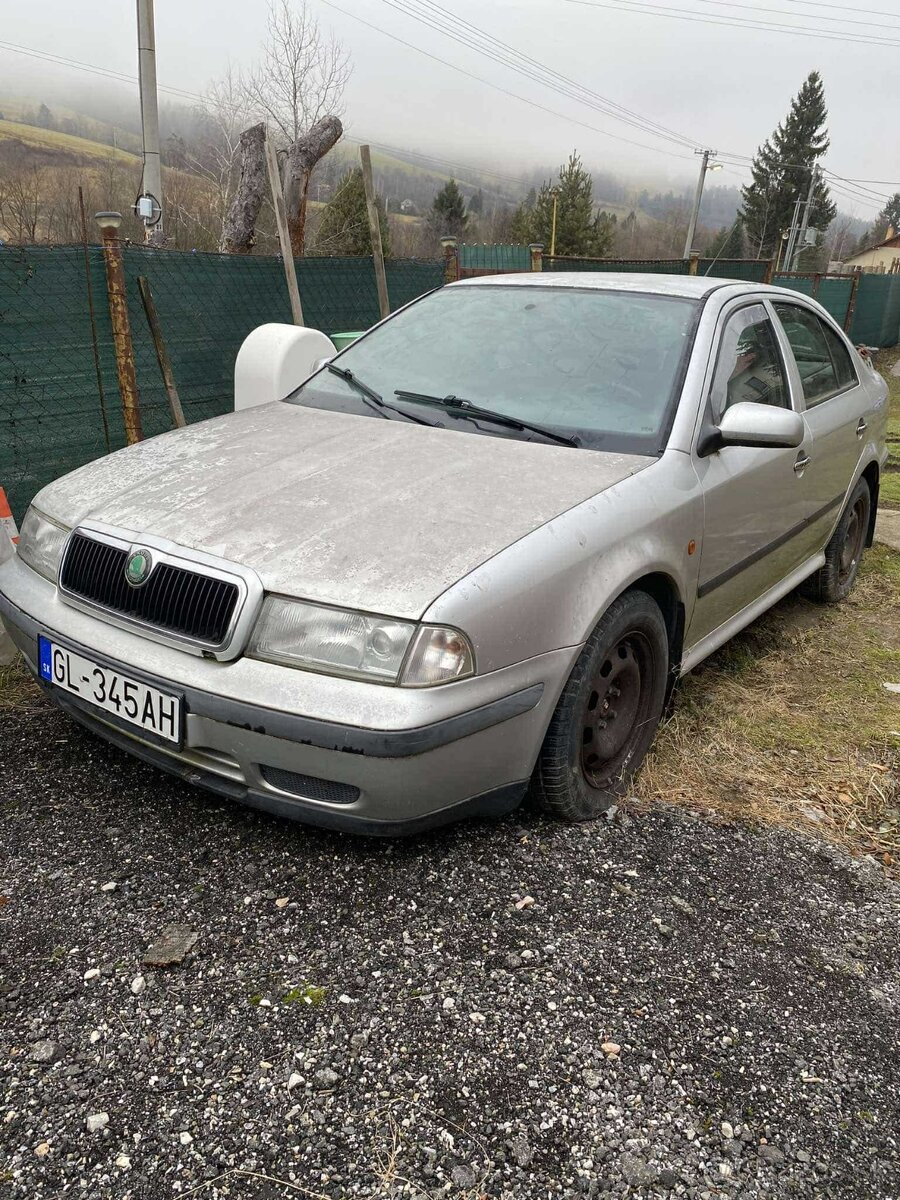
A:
x: 755, y: 504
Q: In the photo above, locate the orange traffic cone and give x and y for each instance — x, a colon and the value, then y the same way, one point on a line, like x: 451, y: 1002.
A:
x: 7, y: 521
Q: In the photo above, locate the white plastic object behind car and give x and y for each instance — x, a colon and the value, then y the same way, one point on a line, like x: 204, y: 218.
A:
x: 275, y: 359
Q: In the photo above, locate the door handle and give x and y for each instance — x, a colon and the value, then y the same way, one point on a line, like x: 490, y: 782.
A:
x: 803, y: 461
x: 861, y: 428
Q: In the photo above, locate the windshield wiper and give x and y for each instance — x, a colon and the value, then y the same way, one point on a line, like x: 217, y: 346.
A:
x: 372, y: 397
x: 456, y: 406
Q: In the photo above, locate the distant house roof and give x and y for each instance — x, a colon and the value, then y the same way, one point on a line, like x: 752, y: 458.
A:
x: 890, y: 243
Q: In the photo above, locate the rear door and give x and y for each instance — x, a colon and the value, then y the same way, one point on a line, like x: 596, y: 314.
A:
x: 755, y: 504
x: 837, y: 409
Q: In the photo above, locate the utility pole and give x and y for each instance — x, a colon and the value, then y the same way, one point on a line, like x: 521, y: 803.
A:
x: 792, y: 236
x: 804, y: 224
x: 698, y: 196
x: 149, y: 205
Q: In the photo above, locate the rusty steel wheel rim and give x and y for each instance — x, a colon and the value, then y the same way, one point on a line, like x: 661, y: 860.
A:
x: 614, y: 709
x: 851, y: 550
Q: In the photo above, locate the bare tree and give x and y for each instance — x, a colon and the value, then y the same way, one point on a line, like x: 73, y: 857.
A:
x: 23, y: 199
x: 297, y: 89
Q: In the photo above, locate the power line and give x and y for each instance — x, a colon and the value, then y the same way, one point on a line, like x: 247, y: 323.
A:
x: 733, y: 22
x: 799, y: 16
x: 505, y: 91
x: 105, y: 72
x: 872, y: 12
x: 433, y: 16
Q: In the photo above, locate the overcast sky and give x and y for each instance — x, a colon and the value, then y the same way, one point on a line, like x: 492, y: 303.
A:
x: 722, y: 87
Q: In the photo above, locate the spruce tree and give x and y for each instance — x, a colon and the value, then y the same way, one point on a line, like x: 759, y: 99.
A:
x: 448, y: 211
x: 888, y: 218
x: 781, y: 172
x: 344, y: 226
x: 728, y: 242
x: 581, y: 231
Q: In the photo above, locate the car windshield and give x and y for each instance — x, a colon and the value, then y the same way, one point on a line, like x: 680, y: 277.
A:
x: 600, y: 365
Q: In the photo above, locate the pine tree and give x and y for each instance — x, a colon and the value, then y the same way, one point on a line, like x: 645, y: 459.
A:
x: 728, y: 242
x: 888, y: 218
x: 448, y: 211
x: 781, y: 171
x: 580, y: 230
x: 344, y: 227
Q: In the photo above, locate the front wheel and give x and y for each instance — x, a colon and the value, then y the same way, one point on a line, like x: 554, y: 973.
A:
x: 843, y: 554
x: 607, y: 715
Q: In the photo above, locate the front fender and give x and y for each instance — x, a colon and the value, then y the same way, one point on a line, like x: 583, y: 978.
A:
x: 548, y: 590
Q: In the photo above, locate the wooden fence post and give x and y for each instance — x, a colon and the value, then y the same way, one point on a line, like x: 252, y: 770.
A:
x: 537, y: 256
x: 384, y: 304
x: 290, y: 271
x: 770, y: 271
x: 162, y: 354
x: 109, y: 223
x: 851, y: 302
x: 694, y: 264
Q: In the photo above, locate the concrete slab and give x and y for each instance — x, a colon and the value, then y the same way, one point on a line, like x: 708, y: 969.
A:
x: 887, y: 528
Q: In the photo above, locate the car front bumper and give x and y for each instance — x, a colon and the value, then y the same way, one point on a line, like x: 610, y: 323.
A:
x: 333, y: 752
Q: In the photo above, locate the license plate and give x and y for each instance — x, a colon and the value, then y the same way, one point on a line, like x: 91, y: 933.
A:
x: 145, y: 707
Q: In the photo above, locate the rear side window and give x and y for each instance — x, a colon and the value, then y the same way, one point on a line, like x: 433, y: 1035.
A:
x: 749, y: 367
x: 822, y: 359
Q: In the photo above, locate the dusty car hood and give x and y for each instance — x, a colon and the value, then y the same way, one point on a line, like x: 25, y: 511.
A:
x: 348, y: 510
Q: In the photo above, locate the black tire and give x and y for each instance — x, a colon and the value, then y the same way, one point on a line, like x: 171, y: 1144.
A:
x: 587, y: 761
x: 832, y: 582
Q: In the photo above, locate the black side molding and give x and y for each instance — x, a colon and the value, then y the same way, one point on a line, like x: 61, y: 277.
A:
x: 717, y: 580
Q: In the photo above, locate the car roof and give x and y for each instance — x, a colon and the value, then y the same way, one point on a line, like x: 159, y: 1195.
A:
x: 693, y: 286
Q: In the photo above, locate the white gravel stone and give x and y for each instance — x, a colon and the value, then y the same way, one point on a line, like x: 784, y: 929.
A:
x: 138, y: 984
x: 97, y: 1121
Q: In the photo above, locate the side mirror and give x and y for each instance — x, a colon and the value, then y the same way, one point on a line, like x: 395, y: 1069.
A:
x: 274, y: 360
x: 748, y: 424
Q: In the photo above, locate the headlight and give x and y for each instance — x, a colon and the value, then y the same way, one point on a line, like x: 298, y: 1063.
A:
x: 359, y: 645
x: 41, y: 544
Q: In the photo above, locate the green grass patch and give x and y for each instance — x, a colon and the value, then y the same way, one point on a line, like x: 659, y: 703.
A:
x: 306, y: 993
x: 890, y: 481
x: 791, y: 723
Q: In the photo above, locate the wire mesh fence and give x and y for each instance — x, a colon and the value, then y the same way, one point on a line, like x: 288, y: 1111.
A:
x: 59, y: 399
x: 655, y: 266
x: 51, y: 419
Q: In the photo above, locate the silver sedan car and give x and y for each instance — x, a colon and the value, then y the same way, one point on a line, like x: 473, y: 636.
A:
x: 467, y: 557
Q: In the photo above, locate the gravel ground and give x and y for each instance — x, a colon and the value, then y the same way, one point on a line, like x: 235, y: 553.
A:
x: 652, y: 1006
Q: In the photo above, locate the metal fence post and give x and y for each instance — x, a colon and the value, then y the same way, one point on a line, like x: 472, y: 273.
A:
x: 109, y: 223
x: 450, y: 250
x: 537, y: 252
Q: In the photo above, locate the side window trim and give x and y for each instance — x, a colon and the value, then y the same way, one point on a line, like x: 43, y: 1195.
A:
x: 782, y: 334
x: 725, y: 319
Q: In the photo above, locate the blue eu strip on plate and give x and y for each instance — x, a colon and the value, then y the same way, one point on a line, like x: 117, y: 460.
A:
x: 45, y: 656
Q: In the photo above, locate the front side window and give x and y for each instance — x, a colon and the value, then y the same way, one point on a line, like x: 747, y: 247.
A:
x: 822, y: 359
x: 601, y: 366
x: 749, y: 367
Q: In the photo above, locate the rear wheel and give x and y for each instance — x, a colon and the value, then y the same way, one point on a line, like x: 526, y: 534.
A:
x: 607, y: 716
x: 843, y: 554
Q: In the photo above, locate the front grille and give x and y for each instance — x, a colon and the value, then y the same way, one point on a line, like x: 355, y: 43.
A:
x: 187, y: 603
x: 310, y: 788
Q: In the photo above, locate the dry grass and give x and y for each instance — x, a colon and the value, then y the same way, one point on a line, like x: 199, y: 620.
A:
x: 790, y: 723
x: 17, y: 689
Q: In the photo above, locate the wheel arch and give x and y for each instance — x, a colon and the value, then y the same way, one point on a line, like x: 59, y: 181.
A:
x: 663, y: 590
x: 872, y: 475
